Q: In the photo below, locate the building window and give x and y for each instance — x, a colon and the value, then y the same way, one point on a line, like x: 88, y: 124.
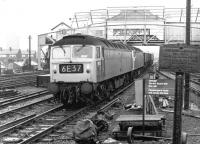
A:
x: 129, y: 32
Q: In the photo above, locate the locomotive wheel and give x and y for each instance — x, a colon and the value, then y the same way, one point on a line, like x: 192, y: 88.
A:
x: 64, y: 97
x: 77, y: 94
x: 97, y: 94
x: 57, y: 97
x: 71, y: 96
x: 125, y: 81
x: 108, y: 93
x: 105, y: 92
x: 88, y: 99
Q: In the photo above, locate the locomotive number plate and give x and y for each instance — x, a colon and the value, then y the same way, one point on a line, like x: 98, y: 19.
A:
x: 71, y: 68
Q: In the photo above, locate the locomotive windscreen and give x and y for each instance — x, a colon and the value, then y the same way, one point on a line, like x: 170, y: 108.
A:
x: 80, y: 51
x: 72, y: 51
x: 61, y: 52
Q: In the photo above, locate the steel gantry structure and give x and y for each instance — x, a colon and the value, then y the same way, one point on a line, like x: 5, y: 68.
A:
x: 133, y: 25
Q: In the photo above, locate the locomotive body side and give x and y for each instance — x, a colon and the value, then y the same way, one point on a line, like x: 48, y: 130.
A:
x: 117, y: 62
x: 139, y: 60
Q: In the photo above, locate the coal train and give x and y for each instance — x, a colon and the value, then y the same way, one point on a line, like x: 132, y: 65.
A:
x: 86, y: 69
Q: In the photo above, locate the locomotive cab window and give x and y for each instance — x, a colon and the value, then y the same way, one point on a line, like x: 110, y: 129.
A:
x: 97, y: 52
x: 61, y: 52
x: 80, y: 51
x: 102, y: 52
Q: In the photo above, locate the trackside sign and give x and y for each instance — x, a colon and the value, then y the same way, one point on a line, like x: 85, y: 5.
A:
x: 159, y: 87
x: 179, y: 58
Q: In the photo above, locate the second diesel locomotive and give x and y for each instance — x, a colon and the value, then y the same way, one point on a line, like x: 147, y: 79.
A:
x: 86, y: 69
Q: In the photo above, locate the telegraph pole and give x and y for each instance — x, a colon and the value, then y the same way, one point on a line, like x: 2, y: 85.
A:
x: 29, y: 58
x: 177, y: 128
x: 187, y: 35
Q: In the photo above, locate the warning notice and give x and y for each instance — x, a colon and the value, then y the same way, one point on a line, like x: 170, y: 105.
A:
x: 179, y: 58
x: 159, y: 87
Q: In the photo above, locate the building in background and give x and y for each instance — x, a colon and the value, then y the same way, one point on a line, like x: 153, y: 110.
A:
x: 9, y: 57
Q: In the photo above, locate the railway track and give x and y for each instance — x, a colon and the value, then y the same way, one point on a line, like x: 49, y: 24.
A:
x: 21, y: 98
x: 8, y: 93
x: 16, y: 82
x: 194, y: 85
x: 11, y: 76
x: 41, y: 125
x: 12, y: 81
x: 22, y: 107
x: 196, y: 75
x: 33, y: 127
x: 12, y: 109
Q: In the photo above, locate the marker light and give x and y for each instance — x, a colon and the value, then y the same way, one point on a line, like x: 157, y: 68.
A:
x: 54, y: 69
x: 88, y: 68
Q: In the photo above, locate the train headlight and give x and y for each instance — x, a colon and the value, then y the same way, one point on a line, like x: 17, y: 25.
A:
x: 87, y: 68
x: 54, y: 69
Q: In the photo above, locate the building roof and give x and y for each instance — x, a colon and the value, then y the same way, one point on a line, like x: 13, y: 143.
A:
x: 27, y: 52
x: 21, y: 63
x: 61, y: 24
x: 9, y: 52
x: 34, y: 63
x: 15, y: 51
x: 135, y: 15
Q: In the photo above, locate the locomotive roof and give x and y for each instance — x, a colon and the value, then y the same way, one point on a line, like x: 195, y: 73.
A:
x: 91, y: 40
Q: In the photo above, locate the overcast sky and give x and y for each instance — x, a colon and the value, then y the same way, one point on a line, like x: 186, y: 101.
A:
x: 21, y: 18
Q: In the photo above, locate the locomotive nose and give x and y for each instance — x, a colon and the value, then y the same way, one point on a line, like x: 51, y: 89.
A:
x: 86, y: 88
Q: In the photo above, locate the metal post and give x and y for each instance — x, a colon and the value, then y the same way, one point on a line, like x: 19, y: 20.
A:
x: 106, y: 29
x: 178, y: 108
x: 145, y: 28
x: 188, y: 15
x: 76, y: 21
x: 187, y: 91
x: 125, y: 33
x: 29, y: 57
x: 187, y: 75
x: 0, y: 68
x: 39, y: 53
x: 143, y: 105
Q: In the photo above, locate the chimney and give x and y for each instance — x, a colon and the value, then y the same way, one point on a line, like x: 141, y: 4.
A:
x: 10, y: 48
x: 1, y: 48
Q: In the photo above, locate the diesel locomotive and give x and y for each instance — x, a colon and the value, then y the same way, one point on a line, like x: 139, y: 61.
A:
x: 86, y: 69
